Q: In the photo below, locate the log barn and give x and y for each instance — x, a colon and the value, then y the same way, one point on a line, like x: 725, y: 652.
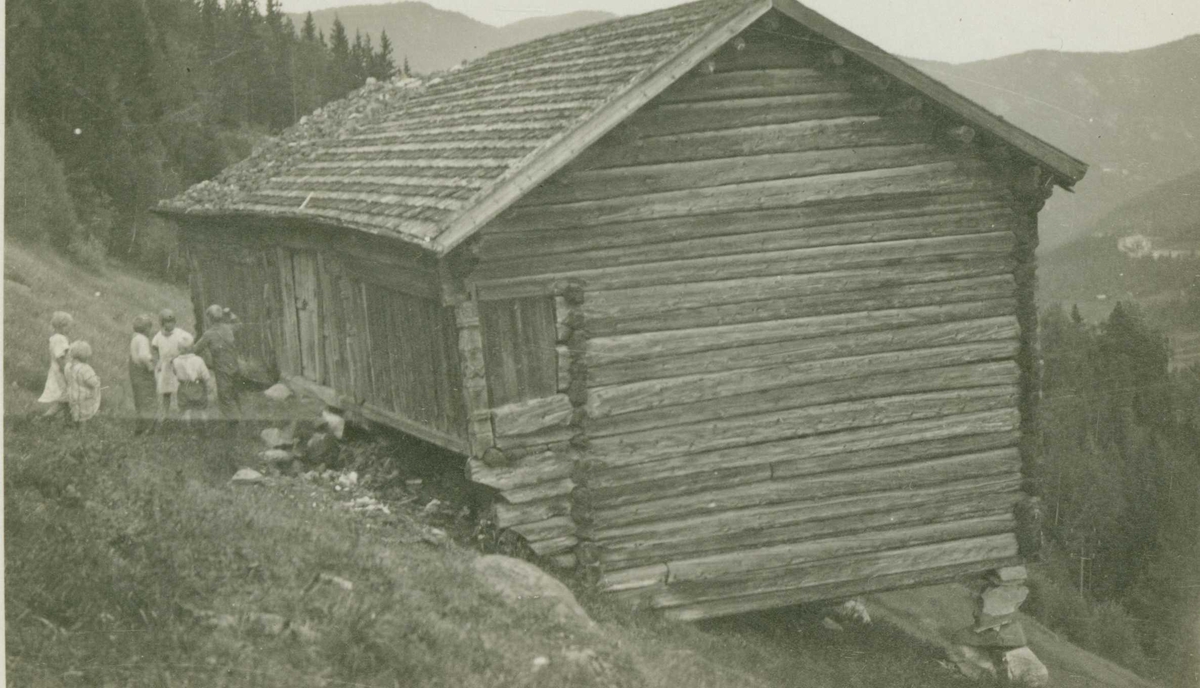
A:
x: 724, y: 303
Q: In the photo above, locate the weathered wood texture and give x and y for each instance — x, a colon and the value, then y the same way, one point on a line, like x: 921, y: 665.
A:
x: 519, y: 336
x: 806, y: 346
x: 413, y: 357
x: 233, y: 278
x: 313, y: 311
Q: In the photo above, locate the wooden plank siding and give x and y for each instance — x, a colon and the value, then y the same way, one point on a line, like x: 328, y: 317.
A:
x: 373, y: 337
x: 234, y: 280
x: 801, y: 319
x: 519, y: 338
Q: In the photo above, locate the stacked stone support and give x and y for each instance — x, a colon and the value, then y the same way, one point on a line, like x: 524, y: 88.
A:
x: 995, y: 644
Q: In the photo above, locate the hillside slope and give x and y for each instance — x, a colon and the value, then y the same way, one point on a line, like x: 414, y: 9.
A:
x: 434, y: 39
x: 1134, y: 117
x: 1170, y: 210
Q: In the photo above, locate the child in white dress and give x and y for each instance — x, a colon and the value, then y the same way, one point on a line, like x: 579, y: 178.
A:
x: 83, y: 385
x: 55, y: 391
x: 165, y: 347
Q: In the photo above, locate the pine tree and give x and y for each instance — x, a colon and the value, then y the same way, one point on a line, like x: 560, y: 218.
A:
x: 382, y: 66
x: 309, y: 32
x: 340, y: 78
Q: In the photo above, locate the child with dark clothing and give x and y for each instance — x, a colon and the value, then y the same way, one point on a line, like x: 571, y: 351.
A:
x: 218, y: 345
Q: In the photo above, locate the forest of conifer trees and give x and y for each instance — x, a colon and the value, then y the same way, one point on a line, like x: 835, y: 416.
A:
x: 1120, y: 482
x: 139, y: 99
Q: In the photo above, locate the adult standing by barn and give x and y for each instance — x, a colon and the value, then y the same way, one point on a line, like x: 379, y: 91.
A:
x: 141, y: 373
x: 218, y: 346
x: 166, y: 345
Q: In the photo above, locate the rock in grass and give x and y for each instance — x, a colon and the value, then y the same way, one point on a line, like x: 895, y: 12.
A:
x: 973, y: 662
x: 520, y: 583
x: 275, y: 438
x: 320, y: 448
x: 335, y: 423
x: 1007, y: 636
x: 276, y: 456
x: 1002, y: 599
x: 247, y: 476
x: 278, y: 392
x: 831, y: 625
x: 1023, y: 668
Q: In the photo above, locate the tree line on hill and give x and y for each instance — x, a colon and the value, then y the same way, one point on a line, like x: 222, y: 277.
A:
x: 1120, y: 479
x: 114, y: 105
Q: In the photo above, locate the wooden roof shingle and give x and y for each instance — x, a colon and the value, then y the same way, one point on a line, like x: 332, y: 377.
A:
x: 431, y: 163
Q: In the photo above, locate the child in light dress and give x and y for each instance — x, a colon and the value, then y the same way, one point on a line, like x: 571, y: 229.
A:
x: 55, y: 391
x: 197, y: 389
x: 141, y: 375
x: 165, y: 347
x: 83, y: 385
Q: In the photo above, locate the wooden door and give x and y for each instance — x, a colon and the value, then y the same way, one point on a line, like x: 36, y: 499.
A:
x: 308, y: 320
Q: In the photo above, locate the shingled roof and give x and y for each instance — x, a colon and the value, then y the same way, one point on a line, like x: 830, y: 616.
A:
x: 432, y: 163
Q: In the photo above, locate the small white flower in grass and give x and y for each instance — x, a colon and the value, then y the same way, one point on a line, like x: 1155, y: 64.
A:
x: 539, y: 662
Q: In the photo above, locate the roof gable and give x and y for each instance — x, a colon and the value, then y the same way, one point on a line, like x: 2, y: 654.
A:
x: 436, y: 166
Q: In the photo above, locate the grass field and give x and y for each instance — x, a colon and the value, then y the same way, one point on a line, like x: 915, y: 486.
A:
x: 134, y: 562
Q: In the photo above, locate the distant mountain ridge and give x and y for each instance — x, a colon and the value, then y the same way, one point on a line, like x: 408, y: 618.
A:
x: 1133, y: 116
x: 435, y: 39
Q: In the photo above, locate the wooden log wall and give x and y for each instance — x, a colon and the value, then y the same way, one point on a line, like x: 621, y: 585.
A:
x: 807, y: 361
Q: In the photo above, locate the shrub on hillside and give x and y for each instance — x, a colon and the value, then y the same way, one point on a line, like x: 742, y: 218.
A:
x: 37, y: 204
x: 1105, y: 628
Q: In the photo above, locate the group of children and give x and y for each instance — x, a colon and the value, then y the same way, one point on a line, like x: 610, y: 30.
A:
x: 72, y: 386
x: 166, y: 373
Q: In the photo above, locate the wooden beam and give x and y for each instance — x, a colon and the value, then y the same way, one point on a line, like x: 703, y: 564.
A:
x: 752, y: 84
x: 762, y: 517
x: 736, y: 535
x: 603, y: 372
x: 931, y: 178
x: 827, y: 453
x: 947, y: 362
x: 679, y: 342
x: 870, y: 574
x: 801, y: 304
x: 934, y: 472
x: 368, y: 411
x: 531, y: 415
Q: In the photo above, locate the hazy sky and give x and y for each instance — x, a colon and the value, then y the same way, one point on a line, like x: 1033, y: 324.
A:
x: 952, y: 30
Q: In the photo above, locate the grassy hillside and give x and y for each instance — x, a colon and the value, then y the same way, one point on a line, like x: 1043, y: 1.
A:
x: 1134, y: 117
x: 433, y: 39
x: 1170, y: 210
